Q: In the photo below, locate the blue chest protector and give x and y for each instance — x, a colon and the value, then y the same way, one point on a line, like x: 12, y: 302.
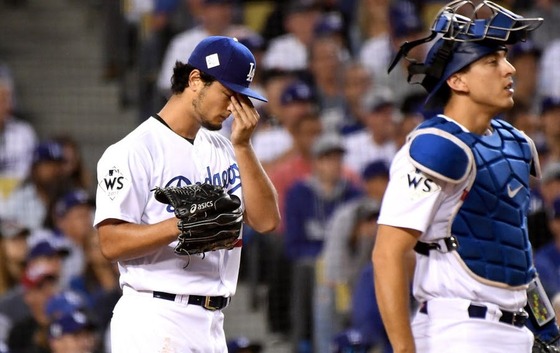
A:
x: 490, y: 226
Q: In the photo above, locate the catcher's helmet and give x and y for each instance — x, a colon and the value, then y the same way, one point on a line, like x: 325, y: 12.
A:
x: 463, y: 36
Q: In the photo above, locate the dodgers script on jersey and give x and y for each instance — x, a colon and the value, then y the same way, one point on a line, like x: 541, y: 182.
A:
x: 410, y: 203
x: 146, y: 158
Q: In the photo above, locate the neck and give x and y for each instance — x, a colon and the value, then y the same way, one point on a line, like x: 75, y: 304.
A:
x: 180, y: 116
x: 473, y: 117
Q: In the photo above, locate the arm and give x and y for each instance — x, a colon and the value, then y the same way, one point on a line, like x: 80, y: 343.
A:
x: 121, y: 240
x: 261, y: 200
x: 392, y: 277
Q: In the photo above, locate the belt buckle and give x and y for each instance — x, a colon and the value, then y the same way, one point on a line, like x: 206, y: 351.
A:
x: 519, y: 318
x: 208, y: 306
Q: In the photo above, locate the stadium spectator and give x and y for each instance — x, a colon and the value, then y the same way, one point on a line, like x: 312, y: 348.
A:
x: 326, y: 57
x: 73, y: 333
x: 547, y: 258
x: 550, y: 120
x: 17, y: 139
x: 377, y: 141
x: 29, y: 333
x: 43, y: 254
x: 404, y: 24
x: 73, y: 224
x: 29, y: 204
x: 357, y: 85
x: 525, y: 56
x: 74, y: 168
x: 289, y: 51
x: 13, y: 249
x: 274, y: 144
x: 99, y: 282
x: 347, y: 249
x: 411, y: 114
x: 308, y: 209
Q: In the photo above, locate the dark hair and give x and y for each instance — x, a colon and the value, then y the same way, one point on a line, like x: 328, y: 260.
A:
x: 180, y: 78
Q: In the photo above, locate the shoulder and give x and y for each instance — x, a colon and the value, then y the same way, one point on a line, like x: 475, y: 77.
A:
x: 138, y: 141
x: 18, y: 126
x: 356, y: 139
x: 435, y: 149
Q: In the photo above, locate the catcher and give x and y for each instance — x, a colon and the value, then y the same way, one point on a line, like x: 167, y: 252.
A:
x: 458, y: 199
x: 171, y: 200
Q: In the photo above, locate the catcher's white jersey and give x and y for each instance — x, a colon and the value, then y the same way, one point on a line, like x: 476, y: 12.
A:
x: 418, y: 201
x: 153, y: 155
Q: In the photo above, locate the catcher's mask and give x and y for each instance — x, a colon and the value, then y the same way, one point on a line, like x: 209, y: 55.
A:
x: 465, y: 32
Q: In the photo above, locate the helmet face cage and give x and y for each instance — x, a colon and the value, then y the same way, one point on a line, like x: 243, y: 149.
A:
x: 464, y: 21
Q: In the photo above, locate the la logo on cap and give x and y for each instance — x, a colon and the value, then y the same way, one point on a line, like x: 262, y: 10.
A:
x: 251, y: 73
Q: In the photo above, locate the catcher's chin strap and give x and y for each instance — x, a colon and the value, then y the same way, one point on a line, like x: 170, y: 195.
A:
x: 431, y: 72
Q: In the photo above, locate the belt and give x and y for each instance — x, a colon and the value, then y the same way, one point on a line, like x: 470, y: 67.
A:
x: 208, y: 303
x: 517, y: 319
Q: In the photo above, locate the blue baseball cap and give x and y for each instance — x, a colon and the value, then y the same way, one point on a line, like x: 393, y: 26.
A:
x: 350, y: 340
x: 72, y: 323
x: 404, y: 19
x: 48, y: 151
x: 47, y: 249
x: 374, y: 169
x: 329, y: 23
x: 64, y: 303
x: 297, y: 91
x: 253, y: 42
x: 71, y: 199
x: 556, y: 208
x: 228, y: 61
x: 243, y: 344
x: 549, y: 103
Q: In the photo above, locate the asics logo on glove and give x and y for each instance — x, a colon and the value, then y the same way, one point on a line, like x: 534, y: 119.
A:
x: 201, y: 206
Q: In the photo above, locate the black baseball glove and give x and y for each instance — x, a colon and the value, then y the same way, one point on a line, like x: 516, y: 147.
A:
x: 208, y: 217
x: 540, y: 346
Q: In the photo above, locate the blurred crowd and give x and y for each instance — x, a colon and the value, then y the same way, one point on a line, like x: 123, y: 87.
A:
x: 327, y: 137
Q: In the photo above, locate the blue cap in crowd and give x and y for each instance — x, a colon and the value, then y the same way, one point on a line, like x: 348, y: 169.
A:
x: 297, y: 91
x: 549, y: 103
x: 329, y: 23
x: 243, y: 344
x: 524, y: 47
x: 228, y: 61
x: 556, y: 208
x: 72, y: 199
x: 253, y: 41
x: 404, y: 19
x: 64, y: 303
x: 349, y: 341
x: 374, y: 169
x: 47, y: 249
x: 72, y: 323
x: 48, y: 151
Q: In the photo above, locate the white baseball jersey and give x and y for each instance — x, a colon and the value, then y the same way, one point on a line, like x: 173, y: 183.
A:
x: 419, y: 201
x: 153, y: 155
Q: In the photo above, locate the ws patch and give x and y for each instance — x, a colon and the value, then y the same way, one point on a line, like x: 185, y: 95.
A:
x: 419, y: 184
x: 113, y: 182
